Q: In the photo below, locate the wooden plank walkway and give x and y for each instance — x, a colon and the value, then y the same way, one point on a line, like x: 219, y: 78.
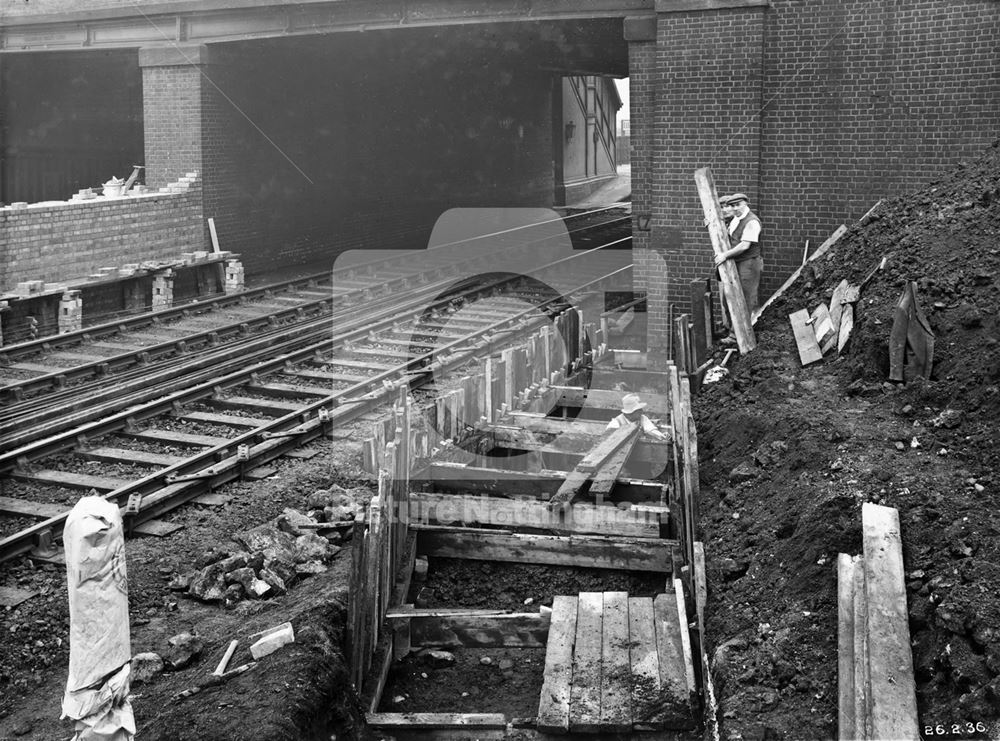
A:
x: 614, y: 664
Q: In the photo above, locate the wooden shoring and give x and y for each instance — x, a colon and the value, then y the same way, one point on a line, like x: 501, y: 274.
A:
x: 584, y: 551
x: 447, y: 509
x: 458, y: 627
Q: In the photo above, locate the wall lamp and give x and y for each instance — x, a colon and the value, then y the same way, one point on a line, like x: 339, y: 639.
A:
x: 570, y: 129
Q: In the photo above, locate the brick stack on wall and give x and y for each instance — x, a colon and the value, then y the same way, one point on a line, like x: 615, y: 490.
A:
x: 815, y: 109
x: 58, y: 241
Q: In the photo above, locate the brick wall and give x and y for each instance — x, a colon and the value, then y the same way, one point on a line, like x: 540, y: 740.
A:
x: 68, y: 240
x: 814, y: 109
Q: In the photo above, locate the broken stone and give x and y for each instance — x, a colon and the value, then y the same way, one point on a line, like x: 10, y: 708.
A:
x: 145, y: 666
x: 256, y: 561
x: 268, y: 539
x: 209, y: 585
x: 209, y: 557
x: 236, y: 561
x: 273, y: 640
x: 274, y: 581
x: 182, y: 649
x: 338, y: 514
x: 309, y: 568
x: 420, y: 569
x: 311, y: 547
x: 733, y: 569
x: 506, y: 664
x: 486, y: 661
x: 294, y: 522
x: 234, y: 594
x: 284, y: 566
x: 743, y: 472
x: 244, y: 577
x: 180, y: 582
x: 949, y: 419
x: 439, y: 659
x: 259, y: 589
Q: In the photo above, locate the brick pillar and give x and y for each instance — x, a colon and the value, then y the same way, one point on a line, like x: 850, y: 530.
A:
x: 70, y: 312
x: 709, y: 65
x: 163, y: 290
x: 651, y: 269
x: 234, y: 277
x: 4, y: 308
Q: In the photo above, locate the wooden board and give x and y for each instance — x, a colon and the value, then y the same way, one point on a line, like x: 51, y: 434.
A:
x: 31, y: 509
x: 260, y: 473
x: 862, y: 678
x: 170, y: 436
x: 553, y: 703
x: 616, y: 674
x: 585, y: 692
x: 629, y: 554
x: 837, y: 305
x: 675, y: 693
x: 606, y: 476
x: 71, y: 480
x: 231, y: 420
x: 647, y: 709
x: 12, y: 596
x: 414, y: 721
x: 845, y: 647
x: 157, y: 528
x: 430, y: 507
x: 898, y: 334
x: 577, y: 396
x: 511, y: 630
x: 212, y: 499
x: 318, y: 375
x: 258, y: 406
x: 890, y: 661
x: 846, y: 327
x: 805, y: 339
x: 823, y: 327
x: 135, y: 457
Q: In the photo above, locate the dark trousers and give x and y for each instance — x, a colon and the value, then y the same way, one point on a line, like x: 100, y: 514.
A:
x: 749, y: 271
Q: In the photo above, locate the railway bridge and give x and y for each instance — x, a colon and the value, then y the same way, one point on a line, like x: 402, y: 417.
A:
x: 331, y: 124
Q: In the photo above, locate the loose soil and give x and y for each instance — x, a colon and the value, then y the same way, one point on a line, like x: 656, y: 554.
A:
x: 819, y: 441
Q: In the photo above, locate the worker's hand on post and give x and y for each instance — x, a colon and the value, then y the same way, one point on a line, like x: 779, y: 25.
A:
x: 720, y: 258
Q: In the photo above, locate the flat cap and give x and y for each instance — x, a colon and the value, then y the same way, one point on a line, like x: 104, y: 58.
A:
x: 734, y: 198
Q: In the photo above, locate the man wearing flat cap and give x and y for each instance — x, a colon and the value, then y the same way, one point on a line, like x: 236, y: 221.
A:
x: 632, y: 412
x: 744, y: 238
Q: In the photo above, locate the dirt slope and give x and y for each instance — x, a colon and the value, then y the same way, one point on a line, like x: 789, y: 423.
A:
x: 817, y: 442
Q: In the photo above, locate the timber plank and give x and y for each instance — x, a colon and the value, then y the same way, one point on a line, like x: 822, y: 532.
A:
x: 413, y: 721
x: 577, y: 396
x: 224, y: 419
x: 554, y: 700
x: 571, y: 487
x: 366, y: 365
x: 890, y: 661
x: 156, y: 434
x: 822, y: 326
x: 12, y: 596
x: 845, y: 648
x: 31, y: 509
x: 512, y: 630
x: 647, y: 710
x: 837, y: 304
x: 846, y: 327
x: 318, y: 375
x: 289, y: 390
x: 805, y: 339
x: 621, y: 439
x: 630, y: 554
x: 157, y: 528
x: 70, y: 480
x: 585, y: 692
x: 607, y: 474
x: 263, y: 406
x: 135, y: 457
x: 616, y: 674
x: 675, y: 693
x: 430, y: 507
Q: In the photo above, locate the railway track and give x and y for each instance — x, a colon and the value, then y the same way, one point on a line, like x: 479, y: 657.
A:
x: 100, y: 354
x: 166, y: 434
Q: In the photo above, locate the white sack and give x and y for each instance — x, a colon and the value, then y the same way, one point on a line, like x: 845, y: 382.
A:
x: 99, y: 646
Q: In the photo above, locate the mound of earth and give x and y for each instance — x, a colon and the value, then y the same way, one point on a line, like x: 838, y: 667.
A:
x: 812, y: 444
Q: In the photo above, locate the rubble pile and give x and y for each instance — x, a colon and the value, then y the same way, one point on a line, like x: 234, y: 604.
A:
x: 270, y: 558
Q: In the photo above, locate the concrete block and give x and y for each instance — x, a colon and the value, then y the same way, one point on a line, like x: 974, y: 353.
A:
x: 272, y: 640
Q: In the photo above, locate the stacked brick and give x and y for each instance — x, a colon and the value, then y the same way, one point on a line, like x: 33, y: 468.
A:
x: 59, y: 241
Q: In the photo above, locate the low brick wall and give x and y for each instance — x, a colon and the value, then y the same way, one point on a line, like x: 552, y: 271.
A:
x: 57, y: 241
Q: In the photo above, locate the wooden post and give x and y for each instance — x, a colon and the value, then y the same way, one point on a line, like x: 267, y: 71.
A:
x: 738, y: 310
x: 701, y: 316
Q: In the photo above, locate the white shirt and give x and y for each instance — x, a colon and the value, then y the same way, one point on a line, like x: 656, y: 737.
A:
x: 648, y: 427
x: 751, y: 232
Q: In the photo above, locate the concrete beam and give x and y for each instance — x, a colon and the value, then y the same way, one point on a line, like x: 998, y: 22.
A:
x: 640, y: 28
x: 209, y: 21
